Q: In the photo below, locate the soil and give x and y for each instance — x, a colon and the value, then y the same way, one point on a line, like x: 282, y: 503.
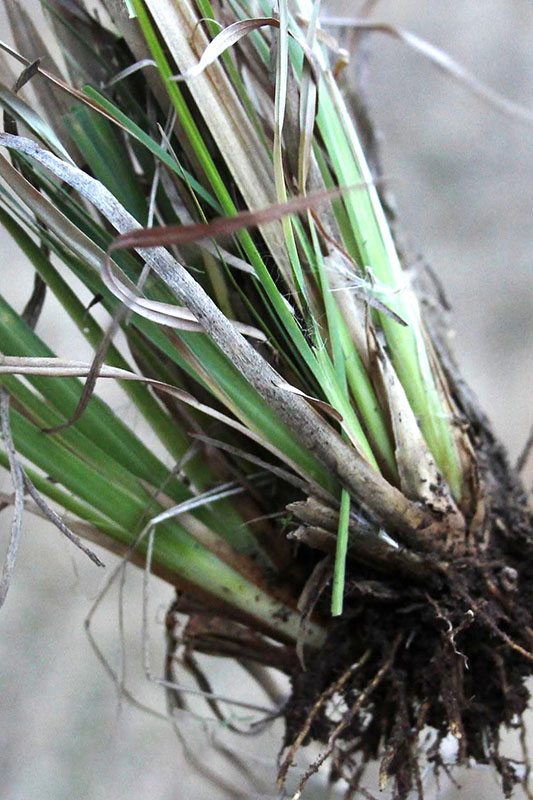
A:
x: 450, y: 657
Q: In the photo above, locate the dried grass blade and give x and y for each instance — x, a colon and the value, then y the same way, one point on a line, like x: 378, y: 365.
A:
x: 84, y: 529
x: 308, y: 105
x: 172, y: 316
x: 309, y: 597
x: 235, y: 136
x: 293, y: 276
x: 223, y: 41
x: 21, y: 482
x: 305, y: 486
x: 22, y: 111
x: 26, y: 75
x: 59, y: 368
x: 50, y: 514
x: 223, y: 226
x: 525, y: 454
x: 232, y: 35
x: 327, y: 408
x: 420, y: 478
x: 29, y: 41
x: 61, y: 84
x: 131, y: 70
x: 17, y: 478
x: 34, y: 306
x: 94, y: 372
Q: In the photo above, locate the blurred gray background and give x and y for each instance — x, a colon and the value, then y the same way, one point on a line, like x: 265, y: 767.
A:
x: 462, y: 178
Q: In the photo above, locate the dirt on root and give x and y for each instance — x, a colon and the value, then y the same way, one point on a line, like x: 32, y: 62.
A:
x: 451, y: 657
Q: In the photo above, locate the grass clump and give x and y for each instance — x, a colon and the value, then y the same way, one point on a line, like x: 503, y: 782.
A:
x: 336, y: 501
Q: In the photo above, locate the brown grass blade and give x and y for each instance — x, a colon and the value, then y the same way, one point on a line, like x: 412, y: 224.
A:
x: 166, y: 235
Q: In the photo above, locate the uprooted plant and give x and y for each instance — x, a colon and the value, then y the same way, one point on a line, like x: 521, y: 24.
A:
x: 338, y: 508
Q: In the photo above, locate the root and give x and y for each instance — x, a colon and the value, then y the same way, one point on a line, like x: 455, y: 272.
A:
x: 507, y: 639
x: 526, y: 786
x: 324, y: 697
x: 456, y: 658
x: 348, y: 717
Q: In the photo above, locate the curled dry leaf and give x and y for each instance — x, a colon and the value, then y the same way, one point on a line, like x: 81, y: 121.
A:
x: 223, y: 41
x: 131, y: 70
x: 230, y: 36
x: 172, y: 316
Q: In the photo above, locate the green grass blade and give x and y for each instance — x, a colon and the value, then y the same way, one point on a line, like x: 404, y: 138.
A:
x: 174, y: 548
x: 337, y: 594
x: 174, y: 440
x: 33, y: 121
x: 107, y: 159
x: 153, y: 147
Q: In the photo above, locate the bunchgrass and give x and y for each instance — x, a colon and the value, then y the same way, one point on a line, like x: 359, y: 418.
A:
x: 280, y: 354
